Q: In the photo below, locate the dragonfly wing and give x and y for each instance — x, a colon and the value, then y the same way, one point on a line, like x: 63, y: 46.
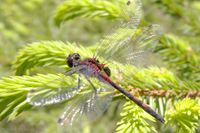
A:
x: 132, y: 12
x: 139, y: 49
x: 98, y: 103
x: 72, y: 112
x: 56, y: 89
x: 90, y: 104
x: 128, y: 44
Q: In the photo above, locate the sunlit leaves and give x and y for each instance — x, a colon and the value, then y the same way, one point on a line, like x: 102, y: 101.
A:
x: 179, y: 8
x: 134, y: 120
x: 98, y: 9
x: 46, y: 54
x: 177, y: 52
x: 86, y: 8
x: 185, y: 116
x: 154, y: 78
x: 180, y: 56
x: 13, y: 91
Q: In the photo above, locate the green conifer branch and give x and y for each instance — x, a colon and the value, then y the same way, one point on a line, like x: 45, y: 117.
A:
x: 85, y: 8
x: 173, y: 7
x: 134, y: 120
x: 180, y: 52
x: 154, y: 78
x: 175, y: 52
x: 54, y: 53
x: 14, y: 89
x: 179, y: 56
x: 184, y: 116
x: 46, y: 53
x: 179, y: 8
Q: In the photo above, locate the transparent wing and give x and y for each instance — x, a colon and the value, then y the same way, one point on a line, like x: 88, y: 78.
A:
x: 90, y: 104
x: 139, y: 49
x: 56, y: 89
x: 131, y: 13
x: 128, y: 44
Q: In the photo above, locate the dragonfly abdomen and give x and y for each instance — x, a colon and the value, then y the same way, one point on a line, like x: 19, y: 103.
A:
x: 139, y: 102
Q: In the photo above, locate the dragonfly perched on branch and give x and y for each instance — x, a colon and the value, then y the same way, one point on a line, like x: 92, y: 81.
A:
x: 94, y: 89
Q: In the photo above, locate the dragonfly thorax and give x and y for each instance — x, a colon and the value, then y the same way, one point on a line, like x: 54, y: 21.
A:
x: 95, y: 66
x: 92, y: 65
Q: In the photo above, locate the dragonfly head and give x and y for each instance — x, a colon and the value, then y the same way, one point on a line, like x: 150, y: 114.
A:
x: 73, y: 59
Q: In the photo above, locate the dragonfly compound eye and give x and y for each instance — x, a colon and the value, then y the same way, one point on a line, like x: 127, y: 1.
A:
x: 72, y: 59
x: 76, y: 56
x: 107, y: 71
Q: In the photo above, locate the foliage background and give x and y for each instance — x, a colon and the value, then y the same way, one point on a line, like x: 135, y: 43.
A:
x: 22, y: 23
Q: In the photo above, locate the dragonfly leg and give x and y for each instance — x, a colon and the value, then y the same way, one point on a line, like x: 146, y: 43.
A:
x: 91, y: 84
x: 79, y: 81
x: 70, y: 72
x: 73, y: 70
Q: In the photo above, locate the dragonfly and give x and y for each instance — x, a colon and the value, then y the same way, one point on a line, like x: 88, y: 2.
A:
x: 93, y: 90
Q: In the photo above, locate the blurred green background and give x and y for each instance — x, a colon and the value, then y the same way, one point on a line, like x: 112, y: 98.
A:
x: 23, y: 22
